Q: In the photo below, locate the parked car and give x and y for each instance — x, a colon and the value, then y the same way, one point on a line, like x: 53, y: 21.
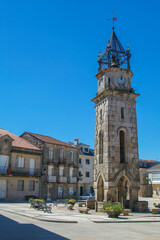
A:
x: 87, y: 196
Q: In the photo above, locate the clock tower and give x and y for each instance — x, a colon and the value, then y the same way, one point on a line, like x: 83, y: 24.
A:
x: 116, y: 164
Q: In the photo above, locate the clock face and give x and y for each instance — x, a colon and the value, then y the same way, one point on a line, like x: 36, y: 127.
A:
x: 101, y: 82
x: 121, y: 79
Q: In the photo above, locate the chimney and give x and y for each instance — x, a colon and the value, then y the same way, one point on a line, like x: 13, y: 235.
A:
x: 76, y: 141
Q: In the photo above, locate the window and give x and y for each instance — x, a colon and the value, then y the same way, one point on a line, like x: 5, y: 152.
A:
x: 50, y: 153
x: 50, y: 170
x: 156, y: 176
x: 20, y: 185
x: 87, y: 174
x: 61, y: 155
x: 31, y: 185
x: 80, y: 161
x: 122, y: 146
x: 109, y: 81
x: 87, y: 161
x: 71, y: 172
x: 21, y: 162
x: 80, y: 174
x: 101, y: 147
x: 71, y: 156
x: 101, y: 114
x: 86, y: 149
x: 91, y: 190
x: 122, y: 113
x: 61, y: 169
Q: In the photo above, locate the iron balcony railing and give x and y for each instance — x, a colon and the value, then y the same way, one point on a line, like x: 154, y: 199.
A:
x: 50, y: 160
x: 51, y: 179
x: 72, y: 179
x: 62, y: 160
x: 20, y: 171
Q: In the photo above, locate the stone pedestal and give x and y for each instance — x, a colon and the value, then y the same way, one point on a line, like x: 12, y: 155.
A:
x: 99, y: 206
x: 141, y: 206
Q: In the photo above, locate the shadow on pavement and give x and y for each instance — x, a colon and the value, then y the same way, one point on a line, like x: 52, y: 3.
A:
x: 12, y: 230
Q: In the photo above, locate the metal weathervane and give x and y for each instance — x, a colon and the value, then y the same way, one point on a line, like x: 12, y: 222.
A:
x: 113, y: 19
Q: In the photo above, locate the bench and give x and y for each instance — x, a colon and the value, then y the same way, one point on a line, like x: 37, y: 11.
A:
x: 44, y: 207
x: 60, y: 201
x: 38, y: 205
x: 83, y: 210
x: 155, y: 210
x: 81, y: 204
x: 126, y: 212
x: 34, y: 204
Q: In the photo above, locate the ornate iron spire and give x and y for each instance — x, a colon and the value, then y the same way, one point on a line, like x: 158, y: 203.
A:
x: 114, y: 55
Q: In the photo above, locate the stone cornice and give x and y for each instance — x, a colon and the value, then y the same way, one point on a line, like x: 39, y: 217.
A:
x: 115, y: 95
x: 101, y: 72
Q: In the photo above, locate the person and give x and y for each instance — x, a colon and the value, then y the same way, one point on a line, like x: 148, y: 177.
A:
x: 9, y: 169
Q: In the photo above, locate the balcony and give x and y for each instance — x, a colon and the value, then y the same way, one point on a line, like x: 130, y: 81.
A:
x: 72, y: 179
x: 62, y: 179
x: 21, y: 171
x: 51, y: 179
x: 71, y: 163
x: 50, y: 161
x: 62, y: 160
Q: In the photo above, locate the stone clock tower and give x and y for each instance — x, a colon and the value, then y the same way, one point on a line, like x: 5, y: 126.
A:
x: 116, y: 164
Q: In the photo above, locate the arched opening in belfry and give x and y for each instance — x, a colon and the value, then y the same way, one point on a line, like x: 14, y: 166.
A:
x: 122, y: 146
x: 123, y: 190
x: 100, y: 190
x: 100, y: 147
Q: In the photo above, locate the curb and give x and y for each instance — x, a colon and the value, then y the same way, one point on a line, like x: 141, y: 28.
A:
x: 129, y: 221
x: 40, y: 219
x: 94, y: 221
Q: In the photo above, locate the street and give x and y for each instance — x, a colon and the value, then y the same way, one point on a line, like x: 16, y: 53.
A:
x: 17, y: 227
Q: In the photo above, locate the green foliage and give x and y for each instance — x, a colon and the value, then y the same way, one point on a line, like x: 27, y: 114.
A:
x: 71, y: 200
x: 36, y: 199
x: 156, y: 204
x: 113, y: 207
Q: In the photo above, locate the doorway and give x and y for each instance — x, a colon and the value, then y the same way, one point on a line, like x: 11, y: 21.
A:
x: 81, y: 191
x: 100, y: 190
x: 2, y: 188
x: 123, y: 191
x: 48, y: 193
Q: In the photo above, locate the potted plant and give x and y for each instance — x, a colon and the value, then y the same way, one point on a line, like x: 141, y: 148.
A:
x: 113, y: 210
x: 72, y: 201
x: 156, y: 205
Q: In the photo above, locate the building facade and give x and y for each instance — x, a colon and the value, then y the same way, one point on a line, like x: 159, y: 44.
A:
x: 146, y: 189
x: 154, y: 180
x: 86, y: 168
x: 59, y: 167
x: 116, y: 164
x: 20, y: 167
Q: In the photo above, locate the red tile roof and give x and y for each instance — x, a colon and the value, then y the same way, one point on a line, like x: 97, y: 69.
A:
x: 51, y: 140
x: 147, y: 160
x: 18, y: 141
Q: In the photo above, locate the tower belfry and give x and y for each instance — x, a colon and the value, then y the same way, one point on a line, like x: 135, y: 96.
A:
x: 116, y: 164
x: 114, y: 54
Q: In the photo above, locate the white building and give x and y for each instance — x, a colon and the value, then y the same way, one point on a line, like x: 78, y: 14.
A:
x: 86, y: 168
x: 154, y: 180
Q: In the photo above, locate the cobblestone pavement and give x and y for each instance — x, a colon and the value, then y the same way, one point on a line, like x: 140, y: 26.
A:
x: 61, y: 214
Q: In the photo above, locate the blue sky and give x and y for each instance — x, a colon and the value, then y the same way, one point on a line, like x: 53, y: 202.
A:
x: 48, y: 53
